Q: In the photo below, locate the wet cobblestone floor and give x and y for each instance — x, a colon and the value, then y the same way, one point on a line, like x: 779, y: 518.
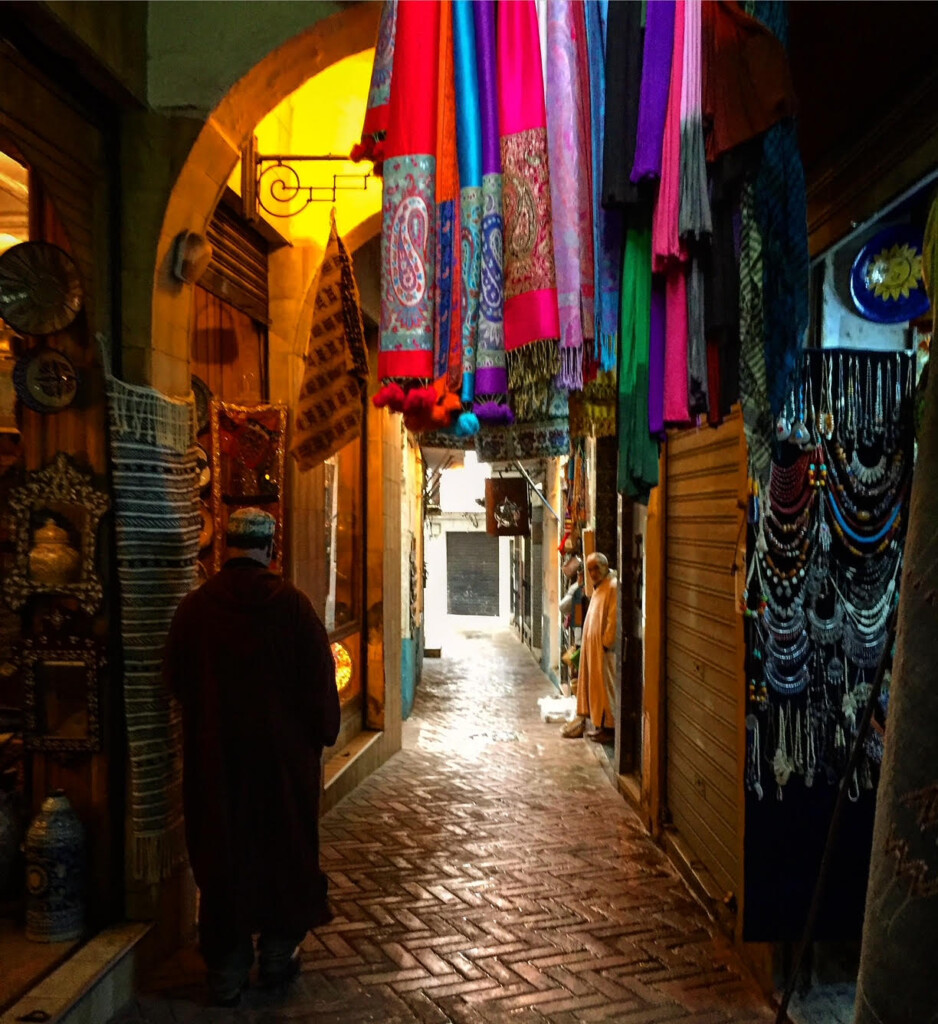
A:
x: 489, y: 873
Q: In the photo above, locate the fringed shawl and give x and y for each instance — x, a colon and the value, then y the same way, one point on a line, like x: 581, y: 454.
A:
x: 568, y: 142
x: 374, y: 129
x: 531, y: 319
x: 409, y: 207
x: 469, y: 134
x: 491, y: 373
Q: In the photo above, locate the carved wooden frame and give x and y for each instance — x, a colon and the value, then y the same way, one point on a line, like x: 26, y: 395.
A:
x: 50, y: 650
x: 62, y: 483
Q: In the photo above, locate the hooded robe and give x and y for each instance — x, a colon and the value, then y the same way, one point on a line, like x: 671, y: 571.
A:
x: 251, y: 664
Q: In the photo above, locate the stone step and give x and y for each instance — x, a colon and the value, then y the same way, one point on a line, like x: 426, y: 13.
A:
x: 93, y: 984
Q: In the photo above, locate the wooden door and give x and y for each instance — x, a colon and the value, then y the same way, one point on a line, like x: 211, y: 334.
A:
x: 705, y: 555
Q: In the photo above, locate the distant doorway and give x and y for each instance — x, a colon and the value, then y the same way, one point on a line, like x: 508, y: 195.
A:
x: 472, y: 574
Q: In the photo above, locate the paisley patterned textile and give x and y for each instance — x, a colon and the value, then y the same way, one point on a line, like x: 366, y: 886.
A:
x: 568, y: 141
x: 529, y: 254
x: 408, y: 229
x: 469, y: 145
x: 375, y: 126
x: 448, y: 340
x: 471, y: 263
x: 544, y: 439
x: 532, y: 324
x: 491, y: 375
x: 447, y: 289
x: 407, y: 268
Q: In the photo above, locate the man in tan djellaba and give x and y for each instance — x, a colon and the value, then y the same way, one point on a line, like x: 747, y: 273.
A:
x: 596, y: 689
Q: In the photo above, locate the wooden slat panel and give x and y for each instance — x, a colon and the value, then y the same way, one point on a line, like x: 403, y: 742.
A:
x: 705, y: 479
x: 704, y: 833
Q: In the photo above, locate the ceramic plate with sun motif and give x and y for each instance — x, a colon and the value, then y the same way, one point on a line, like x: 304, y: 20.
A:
x: 886, y: 281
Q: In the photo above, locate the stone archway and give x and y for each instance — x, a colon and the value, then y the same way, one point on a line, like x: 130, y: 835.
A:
x: 209, y: 163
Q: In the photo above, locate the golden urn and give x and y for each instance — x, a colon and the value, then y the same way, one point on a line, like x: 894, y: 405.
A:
x: 53, y: 561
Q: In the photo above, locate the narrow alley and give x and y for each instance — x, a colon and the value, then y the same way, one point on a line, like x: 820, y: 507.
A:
x: 489, y: 872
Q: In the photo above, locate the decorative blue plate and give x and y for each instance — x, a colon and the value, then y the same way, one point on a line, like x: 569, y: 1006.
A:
x: 886, y: 281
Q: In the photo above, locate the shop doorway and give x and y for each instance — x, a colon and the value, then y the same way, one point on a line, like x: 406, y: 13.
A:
x: 472, y: 573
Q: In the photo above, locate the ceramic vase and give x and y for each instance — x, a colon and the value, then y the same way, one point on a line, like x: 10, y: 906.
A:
x: 55, y: 872
x: 53, y: 562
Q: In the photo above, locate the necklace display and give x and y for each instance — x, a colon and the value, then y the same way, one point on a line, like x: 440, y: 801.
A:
x: 826, y: 534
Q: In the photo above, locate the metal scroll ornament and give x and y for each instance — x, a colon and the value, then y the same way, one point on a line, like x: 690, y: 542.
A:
x: 55, y: 872
x: 55, y: 516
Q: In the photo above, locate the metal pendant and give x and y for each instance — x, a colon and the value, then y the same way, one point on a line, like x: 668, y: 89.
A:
x: 782, y: 428
x: 800, y: 434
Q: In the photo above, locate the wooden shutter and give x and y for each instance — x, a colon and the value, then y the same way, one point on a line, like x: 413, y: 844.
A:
x: 706, y: 485
x: 238, y: 271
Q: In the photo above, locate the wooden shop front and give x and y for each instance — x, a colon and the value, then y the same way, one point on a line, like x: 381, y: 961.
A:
x: 60, y: 702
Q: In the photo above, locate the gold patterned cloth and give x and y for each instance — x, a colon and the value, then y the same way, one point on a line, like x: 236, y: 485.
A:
x: 329, y: 409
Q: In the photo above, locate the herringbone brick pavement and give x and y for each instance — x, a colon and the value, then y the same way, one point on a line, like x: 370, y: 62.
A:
x: 489, y: 873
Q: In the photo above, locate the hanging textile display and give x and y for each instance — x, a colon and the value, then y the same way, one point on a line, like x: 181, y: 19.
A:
x: 374, y: 130
x: 448, y: 327
x: 530, y: 317
x: 408, y: 234
x: 329, y: 408
x: 570, y: 192
x: 491, y: 384
x: 638, y: 451
x: 157, y: 523
x: 623, y: 73
x: 653, y: 103
x: 469, y: 135
x: 782, y: 216
x: 607, y: 224
x: 668, y: 253
x: 823, y: 578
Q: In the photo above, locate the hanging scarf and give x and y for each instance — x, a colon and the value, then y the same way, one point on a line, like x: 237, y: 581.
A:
x: 586, y: 228
x: 470, y: 182
x: 753, y: 389
x: 448, y: 340
x: 374, y: 129
x: 656, y: 359
x: 667, y: 250
x: 570, y: 183
x: 593, y: 410
x: 653, y: 104
x: 666, y: 242
x: 694, y: 217
x: 638, y: 451
x: 607, y: 224
x: 409, y: 207
x: 781, y: 212
x: 623, y: 89
x: 531, y: 319
x: 491, y: 380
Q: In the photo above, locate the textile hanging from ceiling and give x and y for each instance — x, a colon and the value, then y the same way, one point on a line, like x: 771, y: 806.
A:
x: 507, y: 199
x: 157, y: 524
x: 329, y: 407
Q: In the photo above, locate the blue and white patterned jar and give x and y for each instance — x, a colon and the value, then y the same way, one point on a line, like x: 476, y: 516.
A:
x: 55, y: 872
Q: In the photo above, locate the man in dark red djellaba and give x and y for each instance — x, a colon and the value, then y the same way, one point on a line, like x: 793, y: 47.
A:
x: 250, y: 662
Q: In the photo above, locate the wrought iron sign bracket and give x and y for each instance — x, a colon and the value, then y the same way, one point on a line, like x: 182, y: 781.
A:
x: 271, y: 183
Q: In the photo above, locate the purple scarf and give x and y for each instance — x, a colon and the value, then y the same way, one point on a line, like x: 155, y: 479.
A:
x: 656, y: 79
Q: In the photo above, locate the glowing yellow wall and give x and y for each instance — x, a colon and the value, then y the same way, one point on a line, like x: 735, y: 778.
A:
x: 323, y: 116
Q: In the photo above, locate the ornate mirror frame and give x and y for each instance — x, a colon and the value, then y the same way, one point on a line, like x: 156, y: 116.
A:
x: 50, y: 652
x: 273, y: 419
x: 61, y: 485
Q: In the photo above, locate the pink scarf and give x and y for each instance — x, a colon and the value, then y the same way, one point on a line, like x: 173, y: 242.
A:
x: 532, y: 324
